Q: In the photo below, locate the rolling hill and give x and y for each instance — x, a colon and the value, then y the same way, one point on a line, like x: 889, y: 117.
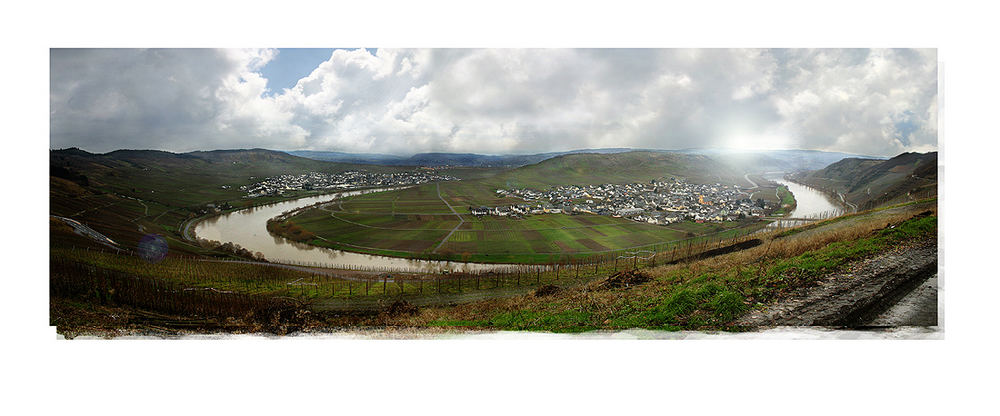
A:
x: 443, y: 159
x: 182, y: 178
x: 869, y: 183
x: 754, y: 161
x: 628, y: 167
x: 761, y: 161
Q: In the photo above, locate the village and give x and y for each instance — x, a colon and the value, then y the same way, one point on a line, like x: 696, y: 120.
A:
x: 277, y: 185
x: 655, y: 202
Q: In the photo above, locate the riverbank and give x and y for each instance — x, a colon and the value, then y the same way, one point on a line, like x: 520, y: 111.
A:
x: 187, y: 226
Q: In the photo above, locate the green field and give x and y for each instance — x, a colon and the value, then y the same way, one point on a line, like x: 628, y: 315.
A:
x: 787, y: 201
x: 415, y: 223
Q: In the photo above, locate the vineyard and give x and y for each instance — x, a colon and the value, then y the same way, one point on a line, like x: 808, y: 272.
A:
x: 203, y: 287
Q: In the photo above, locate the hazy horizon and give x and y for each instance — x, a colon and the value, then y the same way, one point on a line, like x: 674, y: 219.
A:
x: 405, y: 155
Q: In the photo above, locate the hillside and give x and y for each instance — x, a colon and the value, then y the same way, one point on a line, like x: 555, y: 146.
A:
x: 761, y: 161
x: 629, y: 167
x: 869, y: 183
x: 443, y: 159
x: 182, y: 178
x: 127, y: 194
x: 753, y: 161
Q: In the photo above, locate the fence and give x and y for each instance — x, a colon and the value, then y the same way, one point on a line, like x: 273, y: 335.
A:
x: 203, y: 280
x: 109, y: 287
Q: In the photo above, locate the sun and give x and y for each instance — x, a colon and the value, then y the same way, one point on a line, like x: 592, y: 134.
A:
x: 746, y: 142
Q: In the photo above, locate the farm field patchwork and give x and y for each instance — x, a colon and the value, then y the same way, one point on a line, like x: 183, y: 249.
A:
x: 409, y: 223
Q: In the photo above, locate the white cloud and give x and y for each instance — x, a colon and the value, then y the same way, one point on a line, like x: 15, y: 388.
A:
x: 498, y: 100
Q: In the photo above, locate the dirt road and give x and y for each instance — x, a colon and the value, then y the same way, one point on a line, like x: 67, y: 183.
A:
x: 896, y: 288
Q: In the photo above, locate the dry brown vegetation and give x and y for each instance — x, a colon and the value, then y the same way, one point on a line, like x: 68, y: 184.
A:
x: 600, y: 306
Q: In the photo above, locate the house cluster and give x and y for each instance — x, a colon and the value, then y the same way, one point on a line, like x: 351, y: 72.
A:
x: 277, y: 185
x: 210, y: 208
x: 655, y: 202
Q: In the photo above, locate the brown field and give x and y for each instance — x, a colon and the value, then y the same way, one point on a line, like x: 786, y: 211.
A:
x: 591, y: 244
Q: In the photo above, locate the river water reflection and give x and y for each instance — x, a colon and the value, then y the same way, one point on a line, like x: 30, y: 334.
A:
x: 248, y: 228
x: 809, y: 203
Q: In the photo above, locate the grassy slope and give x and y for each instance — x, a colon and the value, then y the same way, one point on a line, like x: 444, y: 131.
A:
x: 787, y: 201
x: 629, y: 167
x: 704, y: 295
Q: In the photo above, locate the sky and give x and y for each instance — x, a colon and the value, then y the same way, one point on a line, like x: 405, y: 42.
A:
x: 494, y: 101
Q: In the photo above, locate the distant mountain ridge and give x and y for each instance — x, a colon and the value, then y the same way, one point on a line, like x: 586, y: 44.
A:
x: 443, y: 158
x: 756, y: 161
x: 760, y: 161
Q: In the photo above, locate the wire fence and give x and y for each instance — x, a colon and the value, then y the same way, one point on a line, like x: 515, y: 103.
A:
x: 199, y: 277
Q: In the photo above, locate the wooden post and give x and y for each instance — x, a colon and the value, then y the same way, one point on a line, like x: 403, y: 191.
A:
x: 385, y: 280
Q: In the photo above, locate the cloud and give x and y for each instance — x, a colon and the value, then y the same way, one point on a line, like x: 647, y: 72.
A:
x: 879, y: 102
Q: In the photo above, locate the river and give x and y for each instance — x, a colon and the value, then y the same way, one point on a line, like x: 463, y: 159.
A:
x: 809, y: 203
x: 248, y: 228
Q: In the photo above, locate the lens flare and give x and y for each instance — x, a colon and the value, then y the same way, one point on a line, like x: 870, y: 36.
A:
x: 153, y: 248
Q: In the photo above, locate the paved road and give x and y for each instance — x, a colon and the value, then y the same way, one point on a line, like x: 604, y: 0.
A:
x: 854, y: 208
x: 747, y: 177
x: 84, y: 230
